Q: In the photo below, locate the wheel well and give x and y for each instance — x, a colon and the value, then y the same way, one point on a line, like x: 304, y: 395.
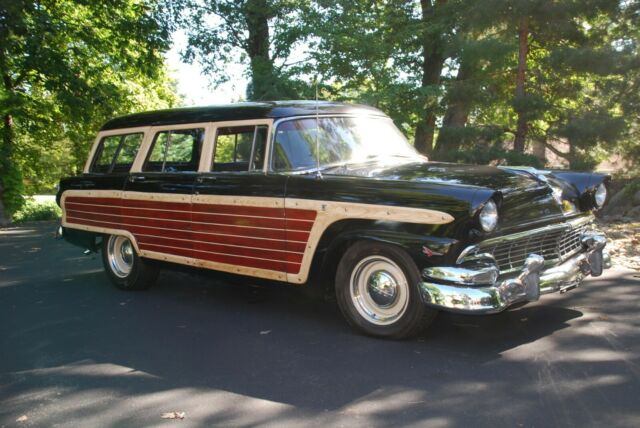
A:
x: 334, y: 243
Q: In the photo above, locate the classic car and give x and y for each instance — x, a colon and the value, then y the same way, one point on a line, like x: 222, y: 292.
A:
x: 319, y: 192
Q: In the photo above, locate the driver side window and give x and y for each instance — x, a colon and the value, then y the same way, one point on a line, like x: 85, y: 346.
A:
x: 240, y: 148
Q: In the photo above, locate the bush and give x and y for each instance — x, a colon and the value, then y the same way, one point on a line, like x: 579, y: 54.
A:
x: 493, y: 155
x: 34, y: 210
x: 632, y: 187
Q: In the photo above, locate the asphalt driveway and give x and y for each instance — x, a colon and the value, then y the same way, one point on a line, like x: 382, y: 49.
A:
x: 74, y: 351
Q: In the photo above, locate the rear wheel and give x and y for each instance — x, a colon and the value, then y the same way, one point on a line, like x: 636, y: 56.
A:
x: 125, y: 268
x: 377, y: 291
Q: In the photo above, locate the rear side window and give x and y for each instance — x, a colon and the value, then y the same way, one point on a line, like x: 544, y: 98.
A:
x: 175, y: 151
x: 240, y: 148
x: 128, y: 151
x: 116, y: 153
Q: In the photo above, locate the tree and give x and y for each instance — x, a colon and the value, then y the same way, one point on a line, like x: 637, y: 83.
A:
x: 66, y: 66
x: 260, y: 34
x: 433, y: 35
x: 622, y: 90
x: 541, y: 28
x: 358, y: 48
x: 389, y: 51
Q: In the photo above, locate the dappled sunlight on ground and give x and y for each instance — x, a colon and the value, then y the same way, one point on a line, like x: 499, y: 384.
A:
x: 623, y: 242
x: 76, y: 351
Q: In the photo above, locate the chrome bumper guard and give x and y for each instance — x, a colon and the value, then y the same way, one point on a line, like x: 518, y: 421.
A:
x: 479, y: 290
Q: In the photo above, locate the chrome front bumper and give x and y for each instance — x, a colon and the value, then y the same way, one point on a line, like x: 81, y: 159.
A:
x: 480, y: 290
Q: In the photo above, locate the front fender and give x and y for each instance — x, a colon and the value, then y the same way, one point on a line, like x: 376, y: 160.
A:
x: 583, y: 184
x: 424, y: 249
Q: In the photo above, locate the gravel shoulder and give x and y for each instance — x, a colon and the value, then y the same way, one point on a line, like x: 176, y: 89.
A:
x: 623, y: 242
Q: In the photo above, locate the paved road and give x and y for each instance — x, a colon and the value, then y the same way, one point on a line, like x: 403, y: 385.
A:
x: 76, y: 352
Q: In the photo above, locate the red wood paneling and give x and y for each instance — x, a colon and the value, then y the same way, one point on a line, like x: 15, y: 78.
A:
x: 254, y: 237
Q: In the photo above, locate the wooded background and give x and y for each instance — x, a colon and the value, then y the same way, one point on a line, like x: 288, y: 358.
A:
x: 466, y: 80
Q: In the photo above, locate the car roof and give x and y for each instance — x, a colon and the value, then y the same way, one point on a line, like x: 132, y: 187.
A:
x: 237, y: 111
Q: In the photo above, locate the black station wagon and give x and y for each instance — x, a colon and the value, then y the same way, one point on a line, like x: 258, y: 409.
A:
x: 305, y: 192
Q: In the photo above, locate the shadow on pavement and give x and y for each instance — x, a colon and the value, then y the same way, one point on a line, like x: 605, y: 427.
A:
x: 231, y: 355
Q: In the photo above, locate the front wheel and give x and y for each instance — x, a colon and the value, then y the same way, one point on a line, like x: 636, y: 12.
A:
x: 125, y: 268
x: 377, y: 291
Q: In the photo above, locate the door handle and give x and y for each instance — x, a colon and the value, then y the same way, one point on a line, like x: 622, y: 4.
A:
x: 201, y: 180
x: 178, y: 188
x: 134, y: 178
x: 83, y: 185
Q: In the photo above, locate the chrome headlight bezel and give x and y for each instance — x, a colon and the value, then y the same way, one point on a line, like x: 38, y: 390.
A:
x: 600, y: 196
x: 488, y: 216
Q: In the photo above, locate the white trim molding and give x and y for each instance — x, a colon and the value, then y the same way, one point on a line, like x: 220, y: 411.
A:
x: 326, y: 214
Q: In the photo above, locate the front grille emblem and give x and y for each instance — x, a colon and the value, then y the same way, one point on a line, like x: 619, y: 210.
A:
x: 429, y: 252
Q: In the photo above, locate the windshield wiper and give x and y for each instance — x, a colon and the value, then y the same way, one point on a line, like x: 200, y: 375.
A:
x: 344, y: 164
x: 322, y: 168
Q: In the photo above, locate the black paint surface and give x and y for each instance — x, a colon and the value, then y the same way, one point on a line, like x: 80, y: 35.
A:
x: 238, y: 111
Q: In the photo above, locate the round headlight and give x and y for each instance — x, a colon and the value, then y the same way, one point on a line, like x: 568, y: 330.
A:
x: 600, y: 196
x: 489, y: 216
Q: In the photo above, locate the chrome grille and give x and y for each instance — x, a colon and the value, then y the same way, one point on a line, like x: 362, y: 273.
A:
x: 554, y: 245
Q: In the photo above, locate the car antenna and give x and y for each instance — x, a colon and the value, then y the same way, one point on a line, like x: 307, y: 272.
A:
x: 318, y: 172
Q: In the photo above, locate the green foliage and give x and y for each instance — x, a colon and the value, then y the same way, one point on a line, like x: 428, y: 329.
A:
x: 12, y: 190
x: 492, y: 155
x: 33, y: 210
x: 631, y: 188
x: 445, y: 68
x: 259, y: 34
x: 371, y: 49
x: 66, y: 67
x: 11, y: 185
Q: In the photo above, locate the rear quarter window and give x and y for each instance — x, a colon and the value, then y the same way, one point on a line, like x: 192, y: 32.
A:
x: 116, y: 153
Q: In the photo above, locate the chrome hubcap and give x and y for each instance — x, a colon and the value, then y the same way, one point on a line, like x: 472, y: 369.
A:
x: 120, y: 255
x: 379, y: 290
x: 382, y: 288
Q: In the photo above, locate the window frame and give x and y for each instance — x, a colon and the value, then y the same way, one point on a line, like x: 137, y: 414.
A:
x: 277, y: 123
x: 208, y: 167
x: 110, y: 133
x: 208, y: 146
x: 147, y: 144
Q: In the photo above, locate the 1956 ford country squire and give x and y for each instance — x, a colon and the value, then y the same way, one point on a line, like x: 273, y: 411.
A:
x: 304, y: 192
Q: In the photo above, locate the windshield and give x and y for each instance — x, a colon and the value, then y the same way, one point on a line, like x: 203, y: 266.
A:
x: 341, y: 140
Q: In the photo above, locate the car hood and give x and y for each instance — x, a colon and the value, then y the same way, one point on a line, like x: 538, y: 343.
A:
x: 525, y: 198
x: 489, y: 177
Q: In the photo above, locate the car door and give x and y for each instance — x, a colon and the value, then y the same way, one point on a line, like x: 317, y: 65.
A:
x: 93, y: 199
x: 156, y: 206
x: 238, y: 210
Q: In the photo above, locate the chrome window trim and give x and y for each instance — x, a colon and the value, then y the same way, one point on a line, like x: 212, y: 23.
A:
x: 207, y: 164
x: 144, y: 130
x: 151, y: 133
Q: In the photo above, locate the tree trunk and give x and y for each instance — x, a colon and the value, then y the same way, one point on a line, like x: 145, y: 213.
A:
x: 432, y: 63
x: 262, y: 70
x: 456, y: 115
x: 523, y: 51
x: 6, y: 151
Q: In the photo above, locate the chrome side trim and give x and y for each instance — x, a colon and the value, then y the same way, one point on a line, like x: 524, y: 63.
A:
x: 486, y: 275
